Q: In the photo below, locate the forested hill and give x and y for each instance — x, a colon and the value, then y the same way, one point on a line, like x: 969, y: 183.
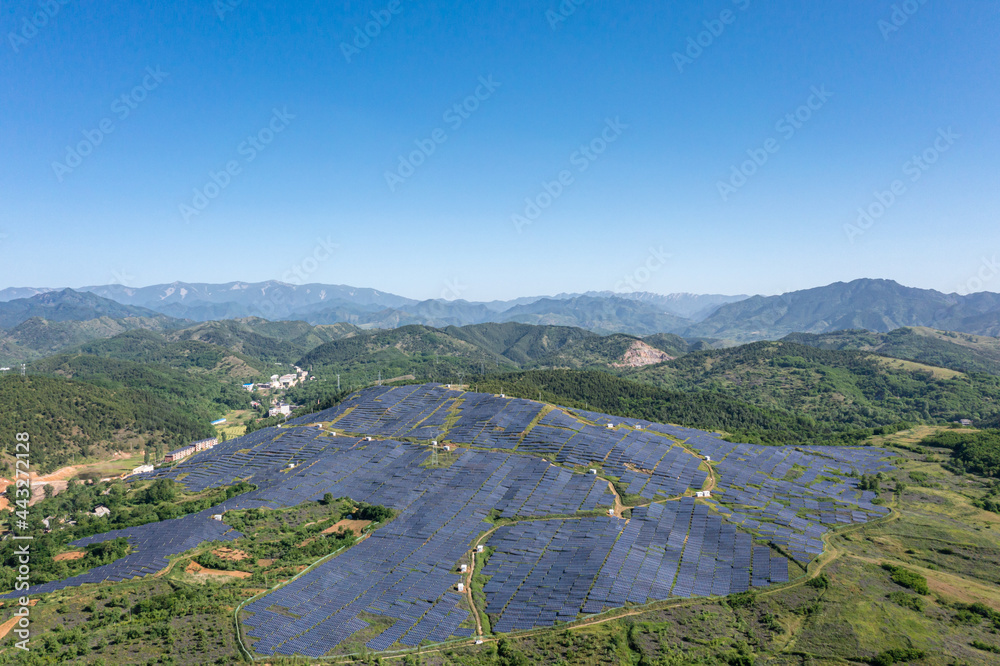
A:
x: 947, y: 349
x: 67, y: 419
x: 708, y: 410
x: 847, y: 387
x: 148, y: 347
x: 202, y: 394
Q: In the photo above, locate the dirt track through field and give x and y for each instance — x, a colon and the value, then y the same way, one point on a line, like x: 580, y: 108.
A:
x: 6, y: 627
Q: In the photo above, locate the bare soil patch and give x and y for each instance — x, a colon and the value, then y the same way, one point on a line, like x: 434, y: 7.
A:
x: 63, y: 557
x: 8, y: 625
x: 230, y: 554
x: 198, y: 570
x: 355, y: 526
x: 640, y: 355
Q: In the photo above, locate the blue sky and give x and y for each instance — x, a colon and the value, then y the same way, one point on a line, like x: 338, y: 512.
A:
x: 312, y: 121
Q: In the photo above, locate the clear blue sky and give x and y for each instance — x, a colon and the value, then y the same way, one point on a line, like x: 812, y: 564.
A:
x: 447, y: 229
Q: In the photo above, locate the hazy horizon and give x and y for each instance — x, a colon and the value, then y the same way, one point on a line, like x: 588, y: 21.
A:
x: 448, y: 297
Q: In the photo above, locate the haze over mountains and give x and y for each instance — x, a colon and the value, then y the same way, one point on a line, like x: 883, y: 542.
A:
x: 874, y: 305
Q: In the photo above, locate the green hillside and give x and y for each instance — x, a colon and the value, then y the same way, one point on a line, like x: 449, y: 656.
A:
x: 422, y: 352
x: 675, y: 345
x: 846, y: 387
x: 519, y: 343
x: 960, y: 351
x: 602, y: 315
x: 69, y: 419
x: 874, y: 305
x: 149, y: 347
x: 37, y: 337
x: 303, y: 335
x: 603, y: 352
x: 709, y: 410
x: 203, y: 395
x: 69, y: 305
x: 238, y: 337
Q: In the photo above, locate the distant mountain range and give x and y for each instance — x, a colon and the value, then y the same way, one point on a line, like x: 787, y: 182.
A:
x: 874, y: 305
x: 69, y: 305
x: 327, y: 304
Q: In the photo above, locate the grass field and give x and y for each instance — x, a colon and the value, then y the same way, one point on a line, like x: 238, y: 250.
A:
x: 911, y: 366
x: 235, y: 425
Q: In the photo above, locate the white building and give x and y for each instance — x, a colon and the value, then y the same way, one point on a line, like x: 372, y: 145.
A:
x: 102, y: 511
x: 282, y: 409
x: 205, y: 444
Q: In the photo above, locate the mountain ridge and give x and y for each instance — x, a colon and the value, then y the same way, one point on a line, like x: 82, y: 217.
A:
x: 877, y: 305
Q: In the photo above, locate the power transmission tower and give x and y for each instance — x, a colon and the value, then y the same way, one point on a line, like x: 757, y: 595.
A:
x: 338, y: 383
x: 23, y: 366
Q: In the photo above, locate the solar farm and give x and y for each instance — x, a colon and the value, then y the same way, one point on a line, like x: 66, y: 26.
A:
x: 520, y: 482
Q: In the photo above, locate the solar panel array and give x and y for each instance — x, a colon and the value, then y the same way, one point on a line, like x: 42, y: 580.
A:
x: 544, y: 570
x: 151, y: 545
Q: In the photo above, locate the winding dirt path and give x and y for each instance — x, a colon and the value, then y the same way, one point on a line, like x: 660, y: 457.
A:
x: 619, y: 508
x: 468, y: 582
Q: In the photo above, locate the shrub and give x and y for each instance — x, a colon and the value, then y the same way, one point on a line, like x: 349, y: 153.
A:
x: 907, y: 578
x: 896, y: 656
x: 985, y: 647
x: 907, y: 601
x: 820, y: 582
